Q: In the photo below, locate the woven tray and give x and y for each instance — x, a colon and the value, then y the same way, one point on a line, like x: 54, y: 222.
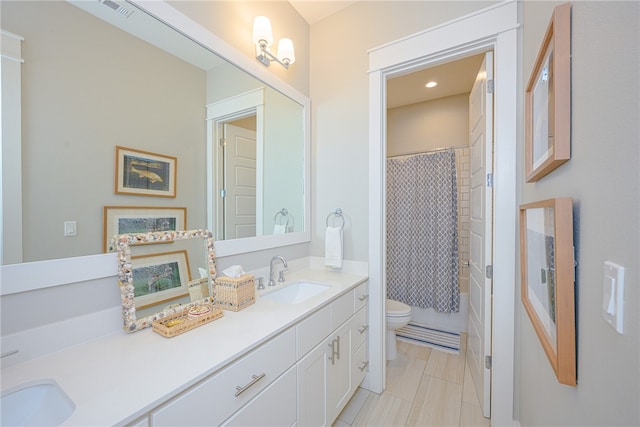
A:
x: 178, y: 323
x: 235, y: 293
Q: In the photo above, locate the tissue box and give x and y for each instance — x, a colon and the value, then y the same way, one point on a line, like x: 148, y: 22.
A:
x: 235, y: 293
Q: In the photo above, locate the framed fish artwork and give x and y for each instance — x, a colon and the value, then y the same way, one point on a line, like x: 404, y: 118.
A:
x: 143, y: 173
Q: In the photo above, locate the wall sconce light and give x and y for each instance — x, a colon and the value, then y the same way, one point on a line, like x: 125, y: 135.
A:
x: 263, y: 38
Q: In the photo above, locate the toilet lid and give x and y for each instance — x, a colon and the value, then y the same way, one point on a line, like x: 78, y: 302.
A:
x: 397, y: 308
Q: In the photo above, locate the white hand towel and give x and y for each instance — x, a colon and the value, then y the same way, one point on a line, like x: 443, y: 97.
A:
x: 333, y: 247
x: 279, y: 229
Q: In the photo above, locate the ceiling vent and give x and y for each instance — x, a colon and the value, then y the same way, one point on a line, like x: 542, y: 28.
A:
x: 117, y: 7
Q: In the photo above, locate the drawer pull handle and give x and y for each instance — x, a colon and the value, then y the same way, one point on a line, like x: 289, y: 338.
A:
x: 364, y: 366
x: 363, y: 297
x: 255, y: 379
x: 364, y: 329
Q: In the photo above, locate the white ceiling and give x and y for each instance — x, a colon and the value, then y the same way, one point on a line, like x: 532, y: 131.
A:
x: 315, y: 10
x: 453, y: 78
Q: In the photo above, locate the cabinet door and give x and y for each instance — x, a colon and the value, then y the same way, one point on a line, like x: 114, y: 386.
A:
x: 312, y: 386
x: 339, y: 387
x: 140, y: 422
x: 275, y: 406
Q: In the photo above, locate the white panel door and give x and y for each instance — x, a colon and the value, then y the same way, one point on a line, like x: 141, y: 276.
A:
x: 481, y: 219
x: 239, y: 182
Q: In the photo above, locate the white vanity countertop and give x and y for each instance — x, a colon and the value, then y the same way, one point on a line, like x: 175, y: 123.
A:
x: 120, y: 377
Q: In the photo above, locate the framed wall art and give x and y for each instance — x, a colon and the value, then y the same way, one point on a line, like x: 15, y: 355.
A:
x: 548, y: 100
x: 160, y: 278
x: 547, y: 280
x: 143, y: 173
x: 140, y: 219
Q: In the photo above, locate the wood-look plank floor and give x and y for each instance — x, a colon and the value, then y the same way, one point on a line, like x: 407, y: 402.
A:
x: 425, y: 387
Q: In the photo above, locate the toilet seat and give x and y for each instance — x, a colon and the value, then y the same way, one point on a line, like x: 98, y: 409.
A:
x: 396, y: 308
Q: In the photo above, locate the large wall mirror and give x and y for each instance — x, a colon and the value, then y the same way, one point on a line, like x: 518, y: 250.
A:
x: 101, y: 74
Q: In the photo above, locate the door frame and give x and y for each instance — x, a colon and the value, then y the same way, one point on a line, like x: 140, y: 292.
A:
x: 218, y: 113
x: 494, y: 28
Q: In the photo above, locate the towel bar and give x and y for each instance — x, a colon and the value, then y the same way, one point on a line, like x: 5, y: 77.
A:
x: 337, y: 214
x: 282, y: 214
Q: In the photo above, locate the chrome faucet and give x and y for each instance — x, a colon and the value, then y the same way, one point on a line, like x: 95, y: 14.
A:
x: 281, y: 276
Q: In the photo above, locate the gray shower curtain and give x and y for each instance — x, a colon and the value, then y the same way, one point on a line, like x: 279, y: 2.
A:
x: 422, y: 231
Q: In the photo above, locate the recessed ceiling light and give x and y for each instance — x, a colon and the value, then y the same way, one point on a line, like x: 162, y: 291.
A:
x: 431, y: 84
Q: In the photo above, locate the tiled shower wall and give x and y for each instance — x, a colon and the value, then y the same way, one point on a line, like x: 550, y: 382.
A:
x: 463, y: 172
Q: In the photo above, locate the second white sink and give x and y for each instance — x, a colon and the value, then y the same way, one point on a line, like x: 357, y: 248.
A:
x: 38, y: 404
x: 296, y: 292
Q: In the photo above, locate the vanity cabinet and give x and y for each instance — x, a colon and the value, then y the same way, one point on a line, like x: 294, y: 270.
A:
x: 328, y: 375
x: 216, y: 398
x: 304, y: 376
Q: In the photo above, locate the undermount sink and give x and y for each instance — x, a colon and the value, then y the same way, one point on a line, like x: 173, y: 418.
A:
x: 296, y: 292
x: 35, y: 404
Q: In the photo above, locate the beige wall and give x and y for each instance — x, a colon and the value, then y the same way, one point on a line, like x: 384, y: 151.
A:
x: 78, y: 103
x: 340, y: 105
x: 426, y: 126
x: 602, y: 179
x: 232, y: 21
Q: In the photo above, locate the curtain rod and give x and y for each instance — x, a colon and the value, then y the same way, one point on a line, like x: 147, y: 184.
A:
x: 435, y: 150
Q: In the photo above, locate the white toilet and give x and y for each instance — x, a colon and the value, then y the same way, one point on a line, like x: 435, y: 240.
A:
x: 398, y: 315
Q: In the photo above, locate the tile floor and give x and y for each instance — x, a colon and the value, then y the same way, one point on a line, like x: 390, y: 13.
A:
x: 425, y: 387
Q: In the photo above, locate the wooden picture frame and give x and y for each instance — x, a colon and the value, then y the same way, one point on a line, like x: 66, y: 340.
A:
x: 547, y: 280
x: 160, y: 278
x: 548, y: 100
x: 140, y: 219
x: 143, y: 173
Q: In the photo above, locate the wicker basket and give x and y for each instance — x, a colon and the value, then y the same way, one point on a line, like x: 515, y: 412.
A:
x: 235, y: 293
x: 183, y: 321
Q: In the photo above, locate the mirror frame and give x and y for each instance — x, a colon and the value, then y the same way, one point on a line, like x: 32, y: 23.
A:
x: 95, y: 266
x: 204, y: 37
x: 123, y: 242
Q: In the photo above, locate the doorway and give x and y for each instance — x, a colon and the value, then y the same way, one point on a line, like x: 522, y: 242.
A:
x: 492, y: 29
x: 452, y: 114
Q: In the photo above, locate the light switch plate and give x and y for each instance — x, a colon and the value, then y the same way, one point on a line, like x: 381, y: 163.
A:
x: 613, y: 295
x: 70, y: 229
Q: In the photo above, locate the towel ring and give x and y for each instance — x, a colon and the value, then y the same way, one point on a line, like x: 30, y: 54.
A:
x: 337, y: 214
x: 282, y: 214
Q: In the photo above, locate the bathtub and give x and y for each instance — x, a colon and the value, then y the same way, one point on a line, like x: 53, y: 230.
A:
x: 450, y: 322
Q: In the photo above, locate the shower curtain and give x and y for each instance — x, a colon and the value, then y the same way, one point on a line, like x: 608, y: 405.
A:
x: 422, y: 231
